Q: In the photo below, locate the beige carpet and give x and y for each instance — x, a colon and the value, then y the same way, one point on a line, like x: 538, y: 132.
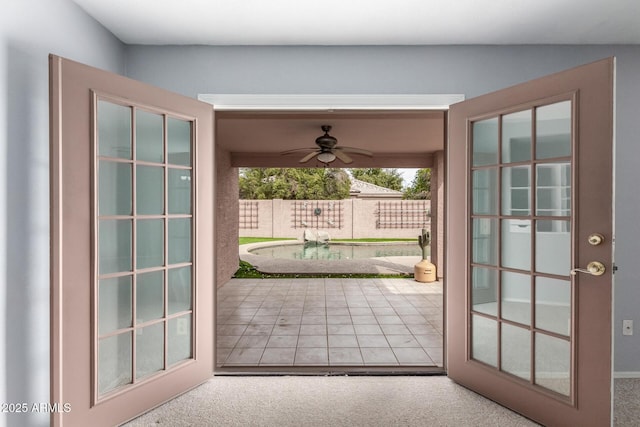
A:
x: 331, y: 401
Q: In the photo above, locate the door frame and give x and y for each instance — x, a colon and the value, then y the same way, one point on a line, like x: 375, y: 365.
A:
x: 259, y: 103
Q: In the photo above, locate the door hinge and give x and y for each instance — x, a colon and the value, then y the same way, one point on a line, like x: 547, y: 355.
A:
x: 614, y: 268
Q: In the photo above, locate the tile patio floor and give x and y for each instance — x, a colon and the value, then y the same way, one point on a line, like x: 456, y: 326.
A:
x: 329, y: 322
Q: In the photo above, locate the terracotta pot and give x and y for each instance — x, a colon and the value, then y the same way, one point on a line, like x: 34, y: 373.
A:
x: 424, y: 271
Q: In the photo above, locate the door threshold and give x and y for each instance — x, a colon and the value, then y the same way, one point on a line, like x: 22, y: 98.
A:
x: 330, y: 370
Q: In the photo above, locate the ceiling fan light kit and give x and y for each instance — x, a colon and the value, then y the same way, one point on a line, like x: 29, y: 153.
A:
x: 327, y: 151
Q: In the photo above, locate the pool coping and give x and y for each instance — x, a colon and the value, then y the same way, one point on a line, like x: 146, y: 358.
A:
x: 381, y: 265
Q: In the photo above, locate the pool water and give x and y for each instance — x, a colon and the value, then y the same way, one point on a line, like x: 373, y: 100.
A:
x: 335, y: 251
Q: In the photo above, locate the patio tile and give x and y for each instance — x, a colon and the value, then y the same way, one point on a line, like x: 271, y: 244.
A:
x: 383, y: 311
x: 343, y: 341
x: 286, y: 330
x: 314, y: 311
x: 244, y: 356
x: 288, y: 320
x: 412, y: 356
x: 291, y: 311
x: 255, y: 329
x: 345, y: 356
x: 231, y: 329
x: 311, y: 357
x: 313, y: 330
x: 264, y: 320
x: 338, y: 320
x: 395, y: 330
x: 221, y: 355
x: 360, y: 311
x: 378, y: 356
x: 402, y: 341
x: 337, y: 311
x: 408, y: 310
x: 367, y: 329
x: 227, y: 340
x: 282, y: 341
x: 278, y: 356
x: 429, y: 340
x: 242, y: 319
x: 312, y: 341
x: 364, y: 320
x: 314, y: 319
x: 340, y: 330
x: 378, y: 341
x: 389, y: 320
x: 422, y: 329
x: 267, y: 312
x: 252, y: 341
x: 435, y: 353
x: 413, y: 319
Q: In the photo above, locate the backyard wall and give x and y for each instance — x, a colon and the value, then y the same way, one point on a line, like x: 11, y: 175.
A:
x: 342, y: 219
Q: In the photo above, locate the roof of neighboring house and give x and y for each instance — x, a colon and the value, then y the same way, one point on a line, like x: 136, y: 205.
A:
x: 361, y: 189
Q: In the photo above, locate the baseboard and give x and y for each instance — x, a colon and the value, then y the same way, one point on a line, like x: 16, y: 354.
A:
x: 627, y: 374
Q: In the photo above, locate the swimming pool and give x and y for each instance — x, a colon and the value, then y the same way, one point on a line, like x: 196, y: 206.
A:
x: 337, y: 250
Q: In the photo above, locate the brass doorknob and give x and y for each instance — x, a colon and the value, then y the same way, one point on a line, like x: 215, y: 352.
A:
x: 594, y: 268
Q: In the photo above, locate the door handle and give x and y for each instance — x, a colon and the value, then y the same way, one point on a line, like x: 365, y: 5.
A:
x: 594, y: 268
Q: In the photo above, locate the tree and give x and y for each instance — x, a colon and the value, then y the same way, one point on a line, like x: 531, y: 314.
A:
x: 387, y: 178
x: 420, y: 187
x: 294, y: 183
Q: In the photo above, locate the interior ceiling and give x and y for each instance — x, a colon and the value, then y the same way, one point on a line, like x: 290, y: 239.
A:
x: 368, y: 22
x: 397, y: 138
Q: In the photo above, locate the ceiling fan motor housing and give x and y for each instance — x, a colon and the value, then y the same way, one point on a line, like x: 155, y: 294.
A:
x: 326, y: 141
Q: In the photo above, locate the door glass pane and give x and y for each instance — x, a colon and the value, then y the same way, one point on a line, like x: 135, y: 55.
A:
x: 484, y: 340
x: 114, y: 188
x: 179, y: 289
x: 150, y: 243
x: 149, y: 146
x: 179, y: 240
x: 149, y: 190
x: 553, y: 247
x: 553, y: 130
x: 484, y: 293
x: 516, y: 244
x: 516, y: 351
x: 553, y: 361
x: 114, y: 362
x: 485, y: 236
x: 553, y: 189
x: 178, y: 142
x: 516, y: 191
x: 114, y: 301
x: 149, y: 350
x: 485, y: 142
x: 485, y: 191
x: 516, y: 137
x: 179, y: 191
x: 553, y: 305
x: 179, y: 339
x: 114, y: 130
x: 149, y: 296
x: 114, y: 248
x: 516, y: 297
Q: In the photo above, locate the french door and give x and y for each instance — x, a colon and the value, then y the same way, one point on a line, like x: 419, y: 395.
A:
x: 530, y: 243
x: 132, y: 300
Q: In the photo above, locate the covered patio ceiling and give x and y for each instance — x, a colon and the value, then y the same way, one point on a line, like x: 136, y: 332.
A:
x: 403, y: 139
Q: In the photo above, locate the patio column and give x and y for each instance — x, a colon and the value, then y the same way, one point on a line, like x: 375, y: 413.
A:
x: 437, y: 212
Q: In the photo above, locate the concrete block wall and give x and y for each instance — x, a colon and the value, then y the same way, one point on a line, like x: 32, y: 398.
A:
x: 358, y: 220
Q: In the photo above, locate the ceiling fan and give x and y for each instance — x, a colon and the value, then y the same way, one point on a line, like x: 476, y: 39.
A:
x: 327, y: 151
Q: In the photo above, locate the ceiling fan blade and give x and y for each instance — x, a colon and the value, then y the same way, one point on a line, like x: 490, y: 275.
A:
x: 355, y: 150
x: 297, y: 150
x: 343, y: 156
x: 309, y: 156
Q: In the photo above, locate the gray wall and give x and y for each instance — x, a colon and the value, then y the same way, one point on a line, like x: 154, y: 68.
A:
x: 29, y: 31
x: 469, y: 70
